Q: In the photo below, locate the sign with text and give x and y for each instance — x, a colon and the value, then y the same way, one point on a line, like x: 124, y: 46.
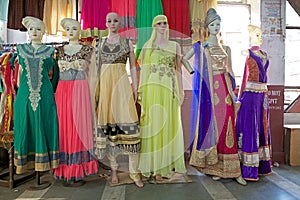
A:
x: 276, y: 98
x: 276, y: 106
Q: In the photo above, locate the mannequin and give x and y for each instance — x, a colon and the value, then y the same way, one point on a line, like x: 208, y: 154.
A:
x: 116, y: 111
x: 253, y: 129
x: 35, y: 119
x: 74, y: 108
x: 213, y: 109
x: 160, y: 96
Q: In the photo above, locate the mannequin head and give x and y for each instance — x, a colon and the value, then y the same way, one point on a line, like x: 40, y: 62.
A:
x: 213, y: 21
x: 113, y: 22
x: 72, y: 28
x: 35, y: 28
x: 160, y: 24
x: 255, y: 34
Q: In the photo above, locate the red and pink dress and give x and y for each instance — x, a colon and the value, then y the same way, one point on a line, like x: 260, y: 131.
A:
x: 75, y: 115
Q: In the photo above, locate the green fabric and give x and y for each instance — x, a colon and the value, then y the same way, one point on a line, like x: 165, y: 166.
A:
x: 35, y: 128
x: 162, y: 146
x: 145, y: 12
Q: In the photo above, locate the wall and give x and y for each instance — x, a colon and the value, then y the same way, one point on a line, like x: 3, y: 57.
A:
x: 273, y: 26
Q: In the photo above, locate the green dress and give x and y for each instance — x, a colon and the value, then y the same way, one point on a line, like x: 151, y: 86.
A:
x: 35, y: 118
x: 162, y: 146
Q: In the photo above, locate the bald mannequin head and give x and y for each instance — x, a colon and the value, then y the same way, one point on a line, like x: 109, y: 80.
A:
x: 113, y: 22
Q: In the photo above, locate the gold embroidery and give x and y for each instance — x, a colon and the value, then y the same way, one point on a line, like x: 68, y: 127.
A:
x: 202, y: 158
x: 216, y: 99
x: 229, y: 134
x: 228, y: 166
x: 228, y: 100
x: 216, y: 85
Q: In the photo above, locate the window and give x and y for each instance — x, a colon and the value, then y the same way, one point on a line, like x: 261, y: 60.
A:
x: 292, y: 59
x: 292, y: 44
x: 234, y: 30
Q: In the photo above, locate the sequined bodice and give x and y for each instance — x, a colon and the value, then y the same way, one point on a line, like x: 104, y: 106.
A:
x: 114, y: 53
x: 219, y: 58
x: 72, y: 67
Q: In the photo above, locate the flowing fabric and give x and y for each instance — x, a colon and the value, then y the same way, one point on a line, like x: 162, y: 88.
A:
x: 35, y: 118
x: 17, y: 10
x: 93, y: 14
x: 179, y: 24
x: 75, y: 115
x: 115, y: 106
x: 214, y: 145
x: 145, y: 12
x: 7, y: 97
x: 55, y: 11
x: 253, y: 128
x: 198, y: 11
x: 162, y: 146
x: 126, y: 10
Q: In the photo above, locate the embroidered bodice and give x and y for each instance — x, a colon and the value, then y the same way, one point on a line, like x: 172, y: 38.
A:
x: 33, y: 68
x: 218, y: 58
x: 163, y: 60
x: 114, y: 53
x: 73, y: 67
x: 257, y: 66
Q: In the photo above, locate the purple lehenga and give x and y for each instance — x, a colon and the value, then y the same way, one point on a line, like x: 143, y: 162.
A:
x: 252, y: 125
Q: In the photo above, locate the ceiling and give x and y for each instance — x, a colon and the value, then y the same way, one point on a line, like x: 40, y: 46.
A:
x: 296, y: 5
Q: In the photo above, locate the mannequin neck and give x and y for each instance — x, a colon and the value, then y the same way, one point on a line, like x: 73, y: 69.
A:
x: 160, y: 40
x: 213, y: 40
x: 36, y: 43
x: 113, y: 37
x: 74, y: 42
x: 255, y: 48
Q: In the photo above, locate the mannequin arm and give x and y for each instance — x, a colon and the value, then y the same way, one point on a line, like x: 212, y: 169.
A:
x: 186, y: 63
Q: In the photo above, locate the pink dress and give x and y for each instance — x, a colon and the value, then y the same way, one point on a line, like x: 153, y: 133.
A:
x: 75, y: 118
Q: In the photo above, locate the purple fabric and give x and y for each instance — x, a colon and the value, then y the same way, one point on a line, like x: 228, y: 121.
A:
x: 253, y: 123
x: 262, y: 68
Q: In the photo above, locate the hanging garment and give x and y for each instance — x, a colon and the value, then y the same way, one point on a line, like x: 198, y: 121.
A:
x: 126, y: 9
x: 55, y: 11
x: 145, y: 12
x: 198, y: 9
x: 178, y: 15
x: 18, y: 9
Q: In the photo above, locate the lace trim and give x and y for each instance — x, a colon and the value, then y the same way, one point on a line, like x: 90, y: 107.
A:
x: 252, y: 159
x: 256, y: 87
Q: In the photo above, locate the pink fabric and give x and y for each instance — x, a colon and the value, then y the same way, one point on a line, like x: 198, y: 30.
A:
x: 93, y: 13
x: 222, y: 112
x: 126, y: 9
x: 75, y: 128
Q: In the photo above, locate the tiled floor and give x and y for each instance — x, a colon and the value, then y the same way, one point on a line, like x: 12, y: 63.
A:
x: 284, y: 184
